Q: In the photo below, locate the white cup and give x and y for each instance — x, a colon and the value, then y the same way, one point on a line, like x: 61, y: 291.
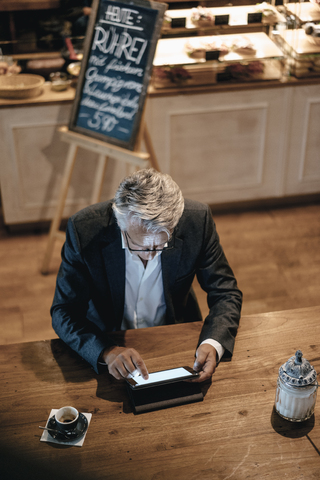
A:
x: 67, y: 419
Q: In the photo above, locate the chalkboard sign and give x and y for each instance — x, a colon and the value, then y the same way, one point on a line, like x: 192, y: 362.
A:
x: 116, y: 68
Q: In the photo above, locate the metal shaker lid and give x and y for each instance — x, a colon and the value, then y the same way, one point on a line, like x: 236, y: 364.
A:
x: 297, y: 371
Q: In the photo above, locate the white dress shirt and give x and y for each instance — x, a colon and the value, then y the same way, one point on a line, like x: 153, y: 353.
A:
x: 144, y: 297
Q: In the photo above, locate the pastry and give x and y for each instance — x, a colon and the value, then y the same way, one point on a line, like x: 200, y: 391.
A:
x: 202, y: 17
x: 216, y: 44
x: 197, y: 48
x: 269, y: 16
x: 243, y: 46
x: 9, y: 68
x: 246, y: 70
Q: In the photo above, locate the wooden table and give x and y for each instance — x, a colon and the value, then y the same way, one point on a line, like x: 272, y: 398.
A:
x: 233, y: 434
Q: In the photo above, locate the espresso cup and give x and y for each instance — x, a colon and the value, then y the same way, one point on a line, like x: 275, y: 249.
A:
x: 67, y: 419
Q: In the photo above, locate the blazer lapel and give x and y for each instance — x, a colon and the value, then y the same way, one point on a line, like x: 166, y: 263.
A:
x: 170, y: 260
x: 114, y: 261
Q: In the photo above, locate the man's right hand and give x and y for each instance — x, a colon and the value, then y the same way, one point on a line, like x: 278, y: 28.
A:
x: 123, y: 361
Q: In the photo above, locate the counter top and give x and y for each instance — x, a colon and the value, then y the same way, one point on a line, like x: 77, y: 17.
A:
x: 231, y: 86
x: 48, y: 96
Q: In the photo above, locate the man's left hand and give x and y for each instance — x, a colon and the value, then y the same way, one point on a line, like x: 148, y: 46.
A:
x: 205, y: 363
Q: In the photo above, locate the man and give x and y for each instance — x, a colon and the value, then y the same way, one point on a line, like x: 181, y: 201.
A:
x: 130, y: 263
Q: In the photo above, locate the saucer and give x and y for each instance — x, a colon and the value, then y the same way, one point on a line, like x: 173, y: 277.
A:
x: 75, y: 434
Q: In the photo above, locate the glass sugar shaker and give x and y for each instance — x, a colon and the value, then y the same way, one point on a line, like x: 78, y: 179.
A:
x: 296, y: 389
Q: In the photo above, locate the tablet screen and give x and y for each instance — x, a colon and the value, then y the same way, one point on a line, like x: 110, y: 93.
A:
x: 163, y: 376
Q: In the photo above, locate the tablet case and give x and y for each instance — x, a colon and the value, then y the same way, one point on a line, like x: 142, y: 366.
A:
x: 164, y: 396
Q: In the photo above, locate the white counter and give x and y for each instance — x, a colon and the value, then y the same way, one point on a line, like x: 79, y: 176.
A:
x: 221, y: 144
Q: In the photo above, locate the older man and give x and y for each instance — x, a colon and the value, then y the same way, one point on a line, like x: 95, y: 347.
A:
x: 130, y: 263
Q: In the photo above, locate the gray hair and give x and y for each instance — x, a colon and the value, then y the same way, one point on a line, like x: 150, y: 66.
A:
x: 149, y: 199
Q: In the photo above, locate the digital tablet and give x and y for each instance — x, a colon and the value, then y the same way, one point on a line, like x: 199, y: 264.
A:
x: 162, y: 377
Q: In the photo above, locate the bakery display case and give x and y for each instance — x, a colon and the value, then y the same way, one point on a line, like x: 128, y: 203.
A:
x: 304, y: 11
x: 210, y: 59
x: 301, y: 45
x: 198, y: 45
x: 205, y: 20
x: 204, y: 46
x: 302, y: 51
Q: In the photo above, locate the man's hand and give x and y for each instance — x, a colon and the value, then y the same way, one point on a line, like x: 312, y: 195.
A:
x: 206, y: 362
x: 123, y: 361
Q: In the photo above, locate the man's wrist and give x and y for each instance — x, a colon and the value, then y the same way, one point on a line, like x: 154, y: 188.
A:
x: 216, y: 345
x: 102, y: 360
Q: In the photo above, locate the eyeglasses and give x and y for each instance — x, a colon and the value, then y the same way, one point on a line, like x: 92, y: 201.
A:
x: 145, y: 249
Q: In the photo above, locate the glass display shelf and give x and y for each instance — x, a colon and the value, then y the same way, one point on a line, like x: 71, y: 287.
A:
x: 302, y: 51
x: 190, y: 21
x: 172, y: 63
x: 304, y: 12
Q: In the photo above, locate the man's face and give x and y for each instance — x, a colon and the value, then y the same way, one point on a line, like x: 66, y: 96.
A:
x: 138, y: 239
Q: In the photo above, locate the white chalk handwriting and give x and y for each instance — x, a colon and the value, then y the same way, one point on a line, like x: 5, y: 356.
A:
x: 119, y: 44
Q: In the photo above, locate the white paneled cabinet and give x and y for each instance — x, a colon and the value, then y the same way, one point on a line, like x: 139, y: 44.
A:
x: 33, y: 160
x: 241, y: 145
x: 303, y: 162
x: 220, y: 147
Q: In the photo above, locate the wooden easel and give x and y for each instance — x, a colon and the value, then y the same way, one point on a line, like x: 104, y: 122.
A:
x: 135, y: 158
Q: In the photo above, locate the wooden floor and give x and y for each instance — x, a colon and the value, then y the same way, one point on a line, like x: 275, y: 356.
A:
x: 274, y: 253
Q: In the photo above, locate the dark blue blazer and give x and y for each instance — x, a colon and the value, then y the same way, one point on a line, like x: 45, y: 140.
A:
x: 90, y: 289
